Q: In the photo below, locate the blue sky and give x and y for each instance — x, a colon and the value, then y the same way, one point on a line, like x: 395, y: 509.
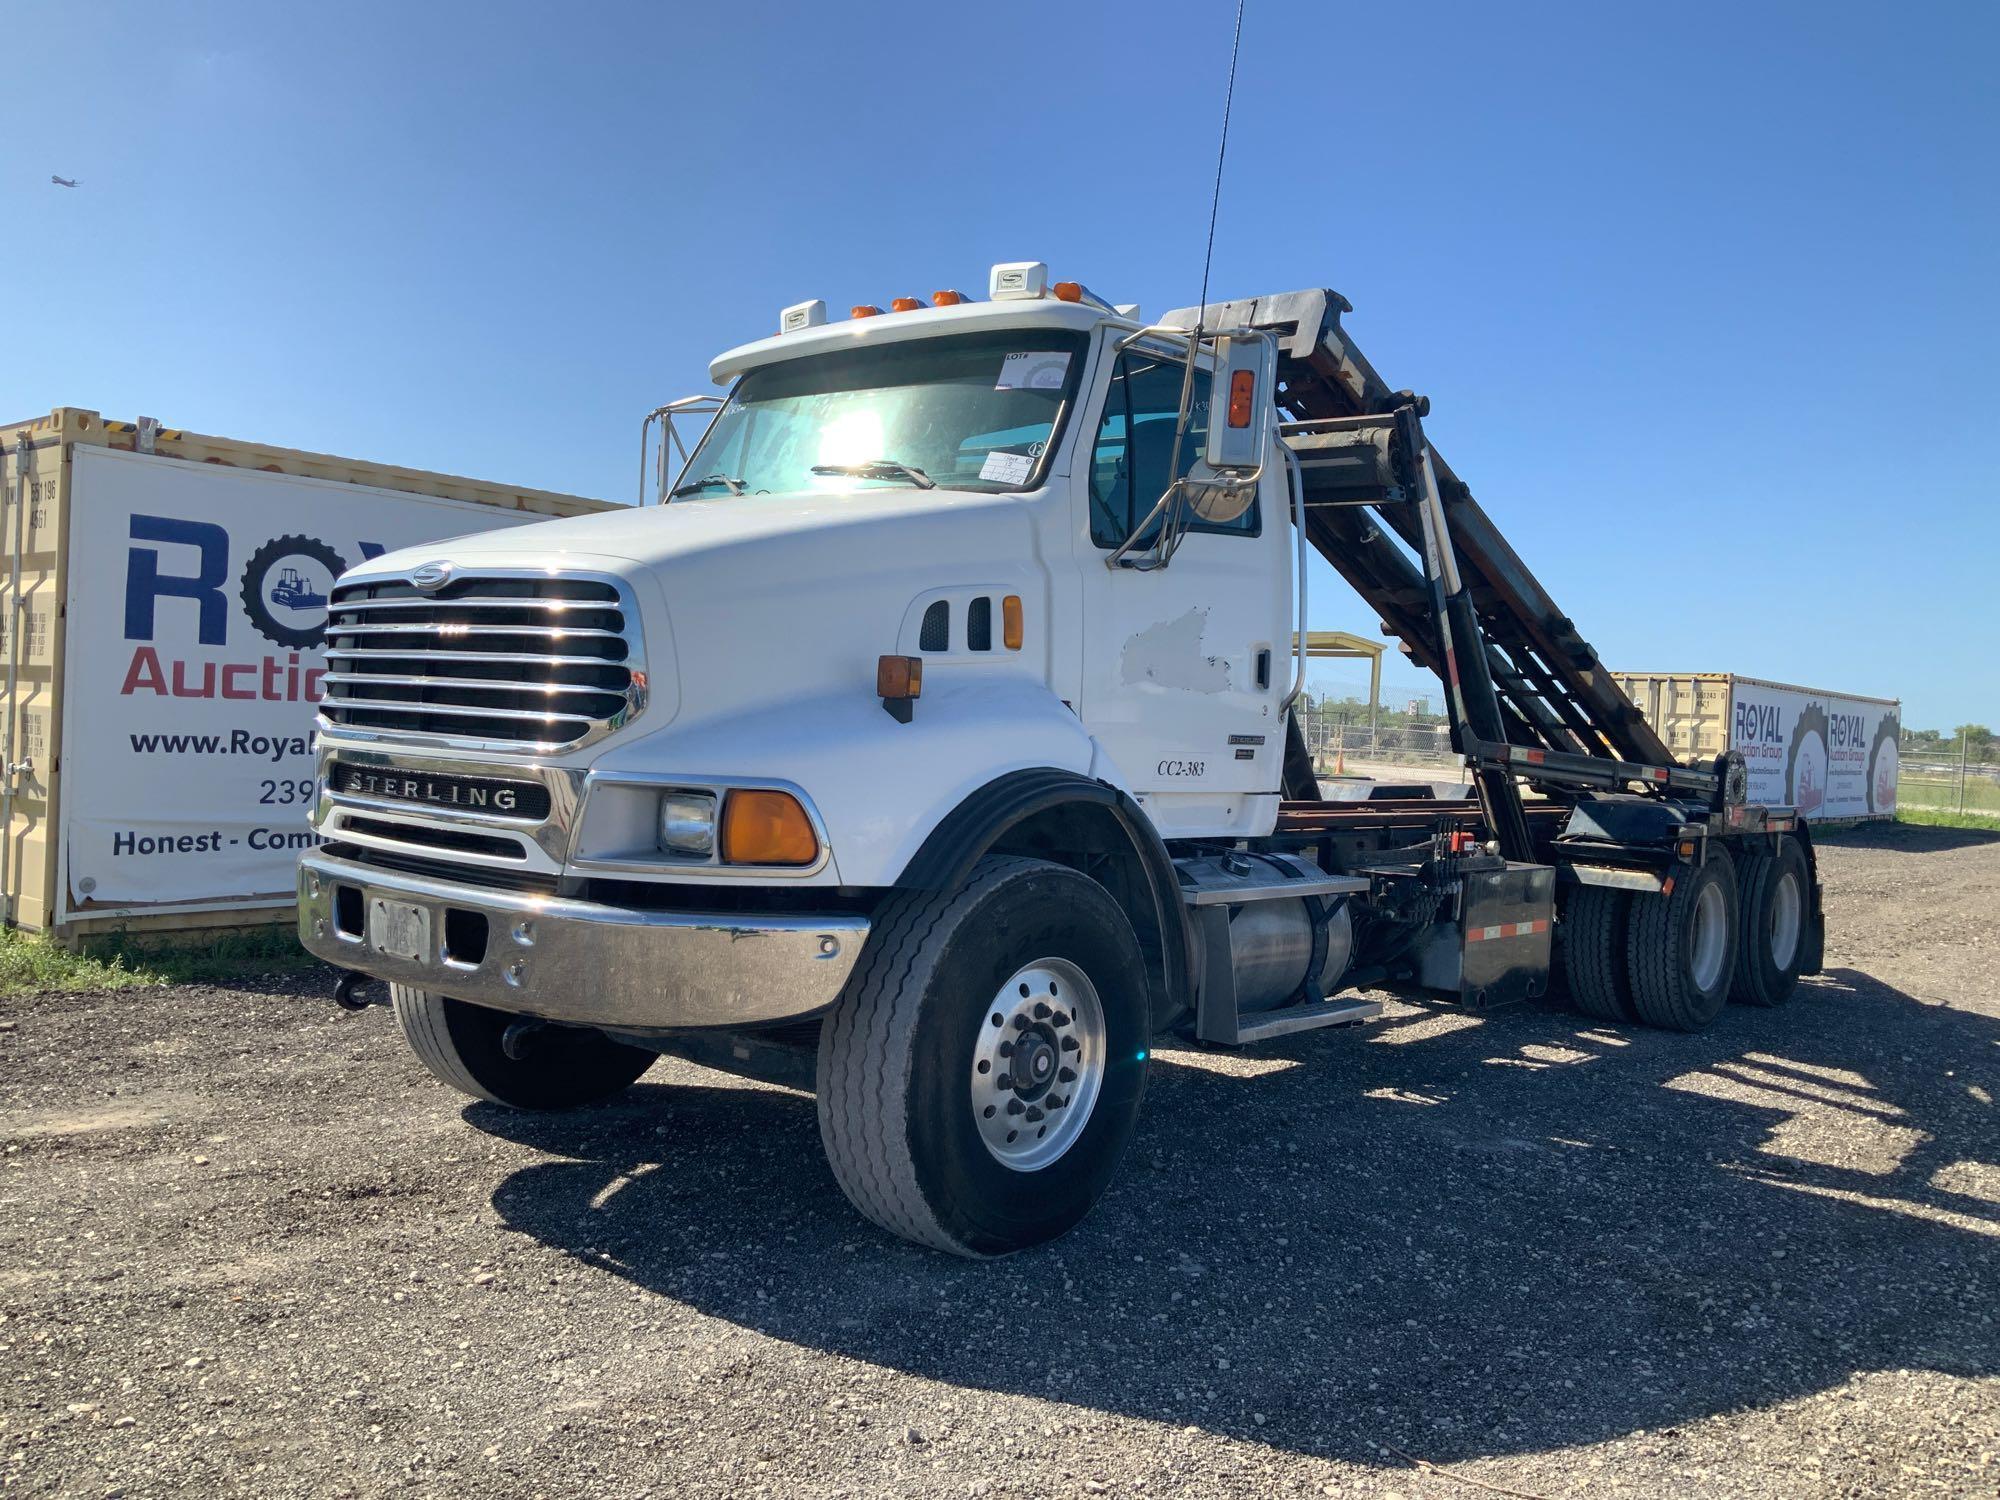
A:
x: 1704, y: 296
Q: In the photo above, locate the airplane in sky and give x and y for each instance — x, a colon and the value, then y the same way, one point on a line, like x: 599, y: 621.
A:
x: 62, y: 181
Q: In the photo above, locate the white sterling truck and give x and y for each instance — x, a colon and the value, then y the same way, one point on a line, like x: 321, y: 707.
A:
x: 931, y: 746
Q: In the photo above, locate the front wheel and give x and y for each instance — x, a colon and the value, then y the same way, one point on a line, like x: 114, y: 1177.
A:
x: 980, y: 1077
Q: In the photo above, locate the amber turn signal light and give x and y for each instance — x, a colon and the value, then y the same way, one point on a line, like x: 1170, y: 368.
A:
x: 899, y: 677
x: 1242, y: 392
x: 1010, y: 622
x: 766, y: 828
x: 899, y: 682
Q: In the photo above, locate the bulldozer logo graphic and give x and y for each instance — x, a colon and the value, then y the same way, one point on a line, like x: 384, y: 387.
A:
x: 285, y: 588
x: 294, y: 592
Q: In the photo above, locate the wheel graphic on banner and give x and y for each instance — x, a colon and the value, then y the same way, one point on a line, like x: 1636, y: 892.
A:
x: 1806, y: 761
x: 285, y: 589
x: 1883, y: 760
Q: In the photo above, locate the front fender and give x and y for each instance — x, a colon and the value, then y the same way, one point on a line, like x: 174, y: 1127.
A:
x: 1058, y: 814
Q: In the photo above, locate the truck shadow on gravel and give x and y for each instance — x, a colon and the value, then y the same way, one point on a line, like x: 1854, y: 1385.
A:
x: 1463, y: 1237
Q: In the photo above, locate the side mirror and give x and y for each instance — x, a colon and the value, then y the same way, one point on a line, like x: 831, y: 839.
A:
x: 1239, y: 411
x: 1239, y: 426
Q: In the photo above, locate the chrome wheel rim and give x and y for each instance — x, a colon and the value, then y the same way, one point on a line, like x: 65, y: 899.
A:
x: 1787, y: 910
x: 1038, y: 1064
x: 1710, y: 935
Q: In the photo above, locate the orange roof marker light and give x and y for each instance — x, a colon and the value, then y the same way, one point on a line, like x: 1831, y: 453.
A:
x: 864, y: 310
x: 948, y: 298
x: 906, y: 304
x: 1076, y: 291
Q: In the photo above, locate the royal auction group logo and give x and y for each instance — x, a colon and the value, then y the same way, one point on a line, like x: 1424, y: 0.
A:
x: 285, y: 588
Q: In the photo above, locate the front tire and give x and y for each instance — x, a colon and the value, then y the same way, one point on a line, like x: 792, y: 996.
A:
x: 981, y: 1074
x: 562, y: 1067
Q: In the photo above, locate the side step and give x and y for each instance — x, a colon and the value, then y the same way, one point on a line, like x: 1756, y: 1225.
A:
x: 1237, y: 1031
x: 1217, y: 886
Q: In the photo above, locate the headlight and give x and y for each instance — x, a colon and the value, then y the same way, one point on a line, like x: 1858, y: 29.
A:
x: 687, y: 823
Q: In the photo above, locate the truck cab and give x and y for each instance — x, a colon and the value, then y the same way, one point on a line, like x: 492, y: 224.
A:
x: 930, y: 745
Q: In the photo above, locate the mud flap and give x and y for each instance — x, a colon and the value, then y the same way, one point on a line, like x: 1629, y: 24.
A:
x: 1815, y: 954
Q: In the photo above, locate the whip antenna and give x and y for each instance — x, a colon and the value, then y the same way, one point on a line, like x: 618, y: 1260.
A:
x: 1221, y: 151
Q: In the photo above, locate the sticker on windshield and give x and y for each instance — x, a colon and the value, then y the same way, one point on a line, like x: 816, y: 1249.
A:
x: 1033, y: 370
x: 1007, y: 468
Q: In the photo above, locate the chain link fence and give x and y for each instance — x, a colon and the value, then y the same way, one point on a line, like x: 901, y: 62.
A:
x: 1961, y: 783
x: 1334, y: 739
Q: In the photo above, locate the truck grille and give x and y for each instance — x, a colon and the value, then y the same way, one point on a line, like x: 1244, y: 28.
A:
x: 534, y: 662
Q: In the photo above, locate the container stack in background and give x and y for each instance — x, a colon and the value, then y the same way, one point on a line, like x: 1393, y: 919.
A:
x: 160, y: 632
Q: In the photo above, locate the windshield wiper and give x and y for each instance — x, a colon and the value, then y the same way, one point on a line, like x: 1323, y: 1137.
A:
x: 880, y: 468
x: 694, y: 486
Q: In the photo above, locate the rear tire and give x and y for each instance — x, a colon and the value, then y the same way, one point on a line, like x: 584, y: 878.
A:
x: 1681, y: 948
x: 1774, y: 890
x: 563, y: 1067
x: 915, y: 1097
x: 1593, y: 944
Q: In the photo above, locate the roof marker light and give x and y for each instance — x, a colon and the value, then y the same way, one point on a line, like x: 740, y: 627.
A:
x: 906, y: 304
x: 1018, y: 280
x: 947, y: 299
x: 1068, y: 291
x: 802, y: 315
x: 864, y: 310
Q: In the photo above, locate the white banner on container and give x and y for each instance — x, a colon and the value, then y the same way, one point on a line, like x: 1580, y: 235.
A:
x: 1827, y: 755
x: 196, y: 609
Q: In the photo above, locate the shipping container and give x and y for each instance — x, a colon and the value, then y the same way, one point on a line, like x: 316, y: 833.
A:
x: 1830, y: 755
x: 149, y: 782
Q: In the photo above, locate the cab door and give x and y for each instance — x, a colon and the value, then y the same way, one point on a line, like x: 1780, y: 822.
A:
x: 1185, y: 667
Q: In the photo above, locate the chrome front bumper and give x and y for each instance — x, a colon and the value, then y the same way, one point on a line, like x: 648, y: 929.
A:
x: 579, y: 962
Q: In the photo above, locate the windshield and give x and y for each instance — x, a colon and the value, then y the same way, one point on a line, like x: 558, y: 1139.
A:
x: 973, y: 412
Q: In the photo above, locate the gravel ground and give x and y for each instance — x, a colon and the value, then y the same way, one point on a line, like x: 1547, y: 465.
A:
x: 248, y: 1247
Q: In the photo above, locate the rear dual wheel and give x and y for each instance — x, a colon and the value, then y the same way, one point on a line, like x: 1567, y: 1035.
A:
x: 1664, y: 959
x: 1593, y: 932
x: 1680, y: 947
x: 1775, y: 889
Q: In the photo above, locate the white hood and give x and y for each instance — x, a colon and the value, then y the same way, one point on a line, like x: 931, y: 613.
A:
x: 828, y: 577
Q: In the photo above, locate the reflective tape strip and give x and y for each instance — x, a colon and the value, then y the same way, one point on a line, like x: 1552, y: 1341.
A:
x: 1506, y: 930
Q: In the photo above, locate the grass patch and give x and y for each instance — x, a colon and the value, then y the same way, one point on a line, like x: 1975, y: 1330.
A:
x: 1939, y: 817
x: 1938, y: 791
x: 30, y: 962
